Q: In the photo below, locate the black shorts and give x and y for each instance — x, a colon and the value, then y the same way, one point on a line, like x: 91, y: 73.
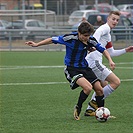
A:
x: 73, y: 74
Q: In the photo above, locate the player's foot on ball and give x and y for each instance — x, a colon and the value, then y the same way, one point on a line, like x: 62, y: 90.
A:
x: 89, y: 112
x: 93, y: 104
x: 77, y: 111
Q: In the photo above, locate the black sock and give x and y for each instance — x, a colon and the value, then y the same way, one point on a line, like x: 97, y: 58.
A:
x: 81, y: 99
x: 100, y: 100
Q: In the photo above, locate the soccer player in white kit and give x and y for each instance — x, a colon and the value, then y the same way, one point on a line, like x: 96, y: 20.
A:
x: 94, y: 59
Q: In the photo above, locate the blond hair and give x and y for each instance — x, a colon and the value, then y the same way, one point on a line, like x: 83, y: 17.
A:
x: 115, y: 13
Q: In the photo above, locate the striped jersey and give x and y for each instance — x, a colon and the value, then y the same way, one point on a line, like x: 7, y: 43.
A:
x: 76, y: 50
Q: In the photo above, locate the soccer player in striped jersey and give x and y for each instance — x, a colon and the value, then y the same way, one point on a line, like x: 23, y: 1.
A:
x: 77, y: 71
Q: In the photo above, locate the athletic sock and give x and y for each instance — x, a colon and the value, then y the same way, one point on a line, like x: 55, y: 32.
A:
x: 100, y: 100
x: 107, y: 90
x: 81, y: 99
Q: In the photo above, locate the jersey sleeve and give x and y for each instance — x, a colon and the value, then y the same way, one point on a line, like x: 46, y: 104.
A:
x: 99, y: 48
x: 65, y: 39
x: 58, y: 39
x: 114, y: 52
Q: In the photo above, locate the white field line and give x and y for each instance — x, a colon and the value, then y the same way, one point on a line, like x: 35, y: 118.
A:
x: 26, y: 67
x: 42, y: 67
x: 48, y: 83
x: 43, y: 83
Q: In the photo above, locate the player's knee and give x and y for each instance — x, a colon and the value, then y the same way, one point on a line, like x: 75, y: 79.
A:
x: 118, y: 82
x: 87, y: 89
x: 115, y: 83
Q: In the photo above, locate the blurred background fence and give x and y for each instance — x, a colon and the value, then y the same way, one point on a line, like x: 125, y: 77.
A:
x: 55, y: 15
x: 12, y: 43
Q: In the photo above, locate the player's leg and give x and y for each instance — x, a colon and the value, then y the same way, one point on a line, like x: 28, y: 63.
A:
x: 103, y: 74
x: 76, y: 79
x: 103, y: 83
x: 99, y: 97
x: 87, y: 87
x: 98, y: 100
x: 107, y: 90
x: 86, y: 83
x: 96, y: 85
x: 114, y: 82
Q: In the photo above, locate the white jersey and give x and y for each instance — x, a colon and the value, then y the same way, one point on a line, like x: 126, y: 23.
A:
x: 102, y: 35
x: 94, y: 59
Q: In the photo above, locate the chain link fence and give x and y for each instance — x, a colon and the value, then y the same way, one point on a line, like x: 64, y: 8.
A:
x: 12, y: 44
x: 57, y: 21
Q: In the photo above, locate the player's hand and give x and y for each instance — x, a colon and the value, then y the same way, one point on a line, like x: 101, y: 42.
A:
x: 91, y: 49
x: 112, y: 65
x: 31, y: 43
x: 129, y: 49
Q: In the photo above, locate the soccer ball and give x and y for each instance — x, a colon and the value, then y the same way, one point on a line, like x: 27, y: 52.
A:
x: 102, y: 114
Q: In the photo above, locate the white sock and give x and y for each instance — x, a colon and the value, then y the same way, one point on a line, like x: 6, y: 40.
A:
x: 107, y: 90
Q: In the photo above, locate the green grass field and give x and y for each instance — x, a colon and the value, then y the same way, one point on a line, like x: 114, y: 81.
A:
x: 35, y: 97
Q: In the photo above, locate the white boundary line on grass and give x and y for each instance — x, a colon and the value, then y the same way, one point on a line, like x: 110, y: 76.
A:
x: 28, y: 67
x: 41, y: 67
x: 48, y: 83
x: 43, y: 83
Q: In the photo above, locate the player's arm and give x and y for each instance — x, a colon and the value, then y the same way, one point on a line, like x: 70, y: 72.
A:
x: 111, y: 63
x: 119, y: 52
x: 44, y: 42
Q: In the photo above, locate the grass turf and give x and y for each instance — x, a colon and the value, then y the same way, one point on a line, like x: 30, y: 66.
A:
x: 28, y: 105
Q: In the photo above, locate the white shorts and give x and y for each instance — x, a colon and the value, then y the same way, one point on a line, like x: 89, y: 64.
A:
x: 100, y: 70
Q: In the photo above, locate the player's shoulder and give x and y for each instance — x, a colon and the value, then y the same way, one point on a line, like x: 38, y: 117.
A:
x: 73, y: 35
x: 104, y: 27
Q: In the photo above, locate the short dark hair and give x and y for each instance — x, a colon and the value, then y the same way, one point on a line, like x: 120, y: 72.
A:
x: 85, y: 27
